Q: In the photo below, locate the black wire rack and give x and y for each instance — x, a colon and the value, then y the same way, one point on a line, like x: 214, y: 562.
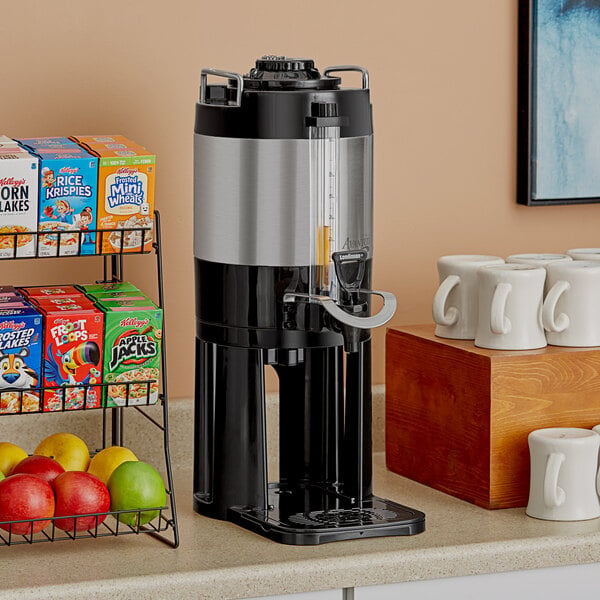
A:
x: 164, y: 527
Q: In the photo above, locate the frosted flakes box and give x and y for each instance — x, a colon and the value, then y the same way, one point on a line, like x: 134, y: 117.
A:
x: 73, y: 344
x: 21, y: 352
x: 8, y: 289
x: 93, y: 288
x: 125, y: 198
x: 19, y: 173
x: 132, y: 343
x: 68, y: 194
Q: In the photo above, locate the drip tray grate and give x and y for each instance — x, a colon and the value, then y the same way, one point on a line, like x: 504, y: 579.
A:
x: 344, y: 517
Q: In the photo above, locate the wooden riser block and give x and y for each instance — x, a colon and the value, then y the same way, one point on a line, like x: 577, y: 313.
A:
x: 457, y: 416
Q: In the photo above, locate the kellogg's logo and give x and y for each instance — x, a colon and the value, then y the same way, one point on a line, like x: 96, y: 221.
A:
x: 126, y: 171
x: 12, y: 181
x: 71, y: 170
x: 12, y: 325
x: 133, y: 322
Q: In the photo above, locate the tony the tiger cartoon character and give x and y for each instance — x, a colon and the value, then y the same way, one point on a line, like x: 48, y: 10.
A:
x: 14, y: 371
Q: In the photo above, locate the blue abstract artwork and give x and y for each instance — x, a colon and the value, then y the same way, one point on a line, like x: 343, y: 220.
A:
x: 565, y: 127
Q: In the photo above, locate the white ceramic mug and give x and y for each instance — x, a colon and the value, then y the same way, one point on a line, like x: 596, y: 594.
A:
x: 538, y: 259
x: 510, y: 307
x: 455, y: 303
x: 564, y: 470
x: 571, y: 314
x: 584, y: 253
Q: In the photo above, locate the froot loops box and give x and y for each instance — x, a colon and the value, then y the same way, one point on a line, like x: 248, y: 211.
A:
x: 19, y: 174
x: 49, y: 290
x: 132, y: 342
x: 73, y: 346
x: 21, y: 352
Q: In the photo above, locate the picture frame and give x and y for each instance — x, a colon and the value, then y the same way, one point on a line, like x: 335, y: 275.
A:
x: 558, y: 132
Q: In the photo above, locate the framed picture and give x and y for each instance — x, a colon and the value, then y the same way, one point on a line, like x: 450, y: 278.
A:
x: 558, y: 154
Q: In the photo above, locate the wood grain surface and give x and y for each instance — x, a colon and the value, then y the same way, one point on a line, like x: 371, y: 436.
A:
x: 457, y: 416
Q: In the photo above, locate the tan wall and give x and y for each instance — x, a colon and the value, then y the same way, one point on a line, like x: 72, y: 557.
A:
x: 443, y: 79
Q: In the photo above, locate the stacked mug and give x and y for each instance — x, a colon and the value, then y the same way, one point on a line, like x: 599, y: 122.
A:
x: 564, y: 481
x: 523, y: 303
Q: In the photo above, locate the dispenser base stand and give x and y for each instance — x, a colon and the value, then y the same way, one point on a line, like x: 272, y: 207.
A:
x: 340, y: 520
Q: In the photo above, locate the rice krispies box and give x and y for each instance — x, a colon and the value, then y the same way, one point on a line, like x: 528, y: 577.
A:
x: 21, y: 352
x: 19, y: 172
x: 125, y: 196
x: 132, y: 343
x: 73, y: 345
x: 68, y: 195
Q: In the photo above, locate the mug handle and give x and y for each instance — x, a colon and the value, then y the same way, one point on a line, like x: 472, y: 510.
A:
x: 549, y: 308
x: 500, y: 323
x: 553, y: 494
x: 440, y: 316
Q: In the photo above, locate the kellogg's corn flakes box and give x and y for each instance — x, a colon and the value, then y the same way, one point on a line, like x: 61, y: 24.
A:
x: 125, y: 197
x: 68, y: 194
x: 73, y: 339
x: 19, y: 173
x: 21, y: 352
x: 132, y: 342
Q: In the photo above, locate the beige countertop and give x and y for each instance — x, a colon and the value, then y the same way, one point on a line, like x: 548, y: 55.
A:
x: 220, y: 560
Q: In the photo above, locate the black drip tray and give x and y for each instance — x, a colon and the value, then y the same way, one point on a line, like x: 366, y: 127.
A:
x: 349, y: 517
x: 311, y: 515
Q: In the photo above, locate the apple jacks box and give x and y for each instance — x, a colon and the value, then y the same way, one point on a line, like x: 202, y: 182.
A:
x: 132, y: 352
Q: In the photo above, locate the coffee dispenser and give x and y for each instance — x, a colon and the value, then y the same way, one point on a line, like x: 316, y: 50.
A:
x: 283, y: 247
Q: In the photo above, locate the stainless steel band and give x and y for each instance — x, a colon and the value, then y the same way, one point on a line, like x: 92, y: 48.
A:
x: 252, y: 199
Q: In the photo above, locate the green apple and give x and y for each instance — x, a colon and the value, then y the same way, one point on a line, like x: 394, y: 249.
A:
x: 136, y: 485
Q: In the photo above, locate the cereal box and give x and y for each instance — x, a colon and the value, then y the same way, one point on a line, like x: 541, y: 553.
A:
x: 6, y: 142
x: 105, y: 141
x: 68, y: 202
x: 20, y: 358
x: 64, y: 302
x: 93, y: 288
x: 73, y: 341
x: 47, y: 142
x: 49, y: 290
x: 120, y: 295
x: 19, y: 172
x: 125, y: 198
x: 132, y: 342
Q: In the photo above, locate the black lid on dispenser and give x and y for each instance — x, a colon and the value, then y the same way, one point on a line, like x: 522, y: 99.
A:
x: 276, y: 99
x: 283, y: 73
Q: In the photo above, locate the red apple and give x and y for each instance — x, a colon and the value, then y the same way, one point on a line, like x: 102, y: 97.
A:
x: 41, y: 466
x: 25, y: 496
x: 80, y: 493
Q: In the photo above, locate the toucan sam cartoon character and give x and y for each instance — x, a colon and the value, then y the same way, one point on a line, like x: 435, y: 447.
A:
x: 86, y: 353
x: 14, y: 371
